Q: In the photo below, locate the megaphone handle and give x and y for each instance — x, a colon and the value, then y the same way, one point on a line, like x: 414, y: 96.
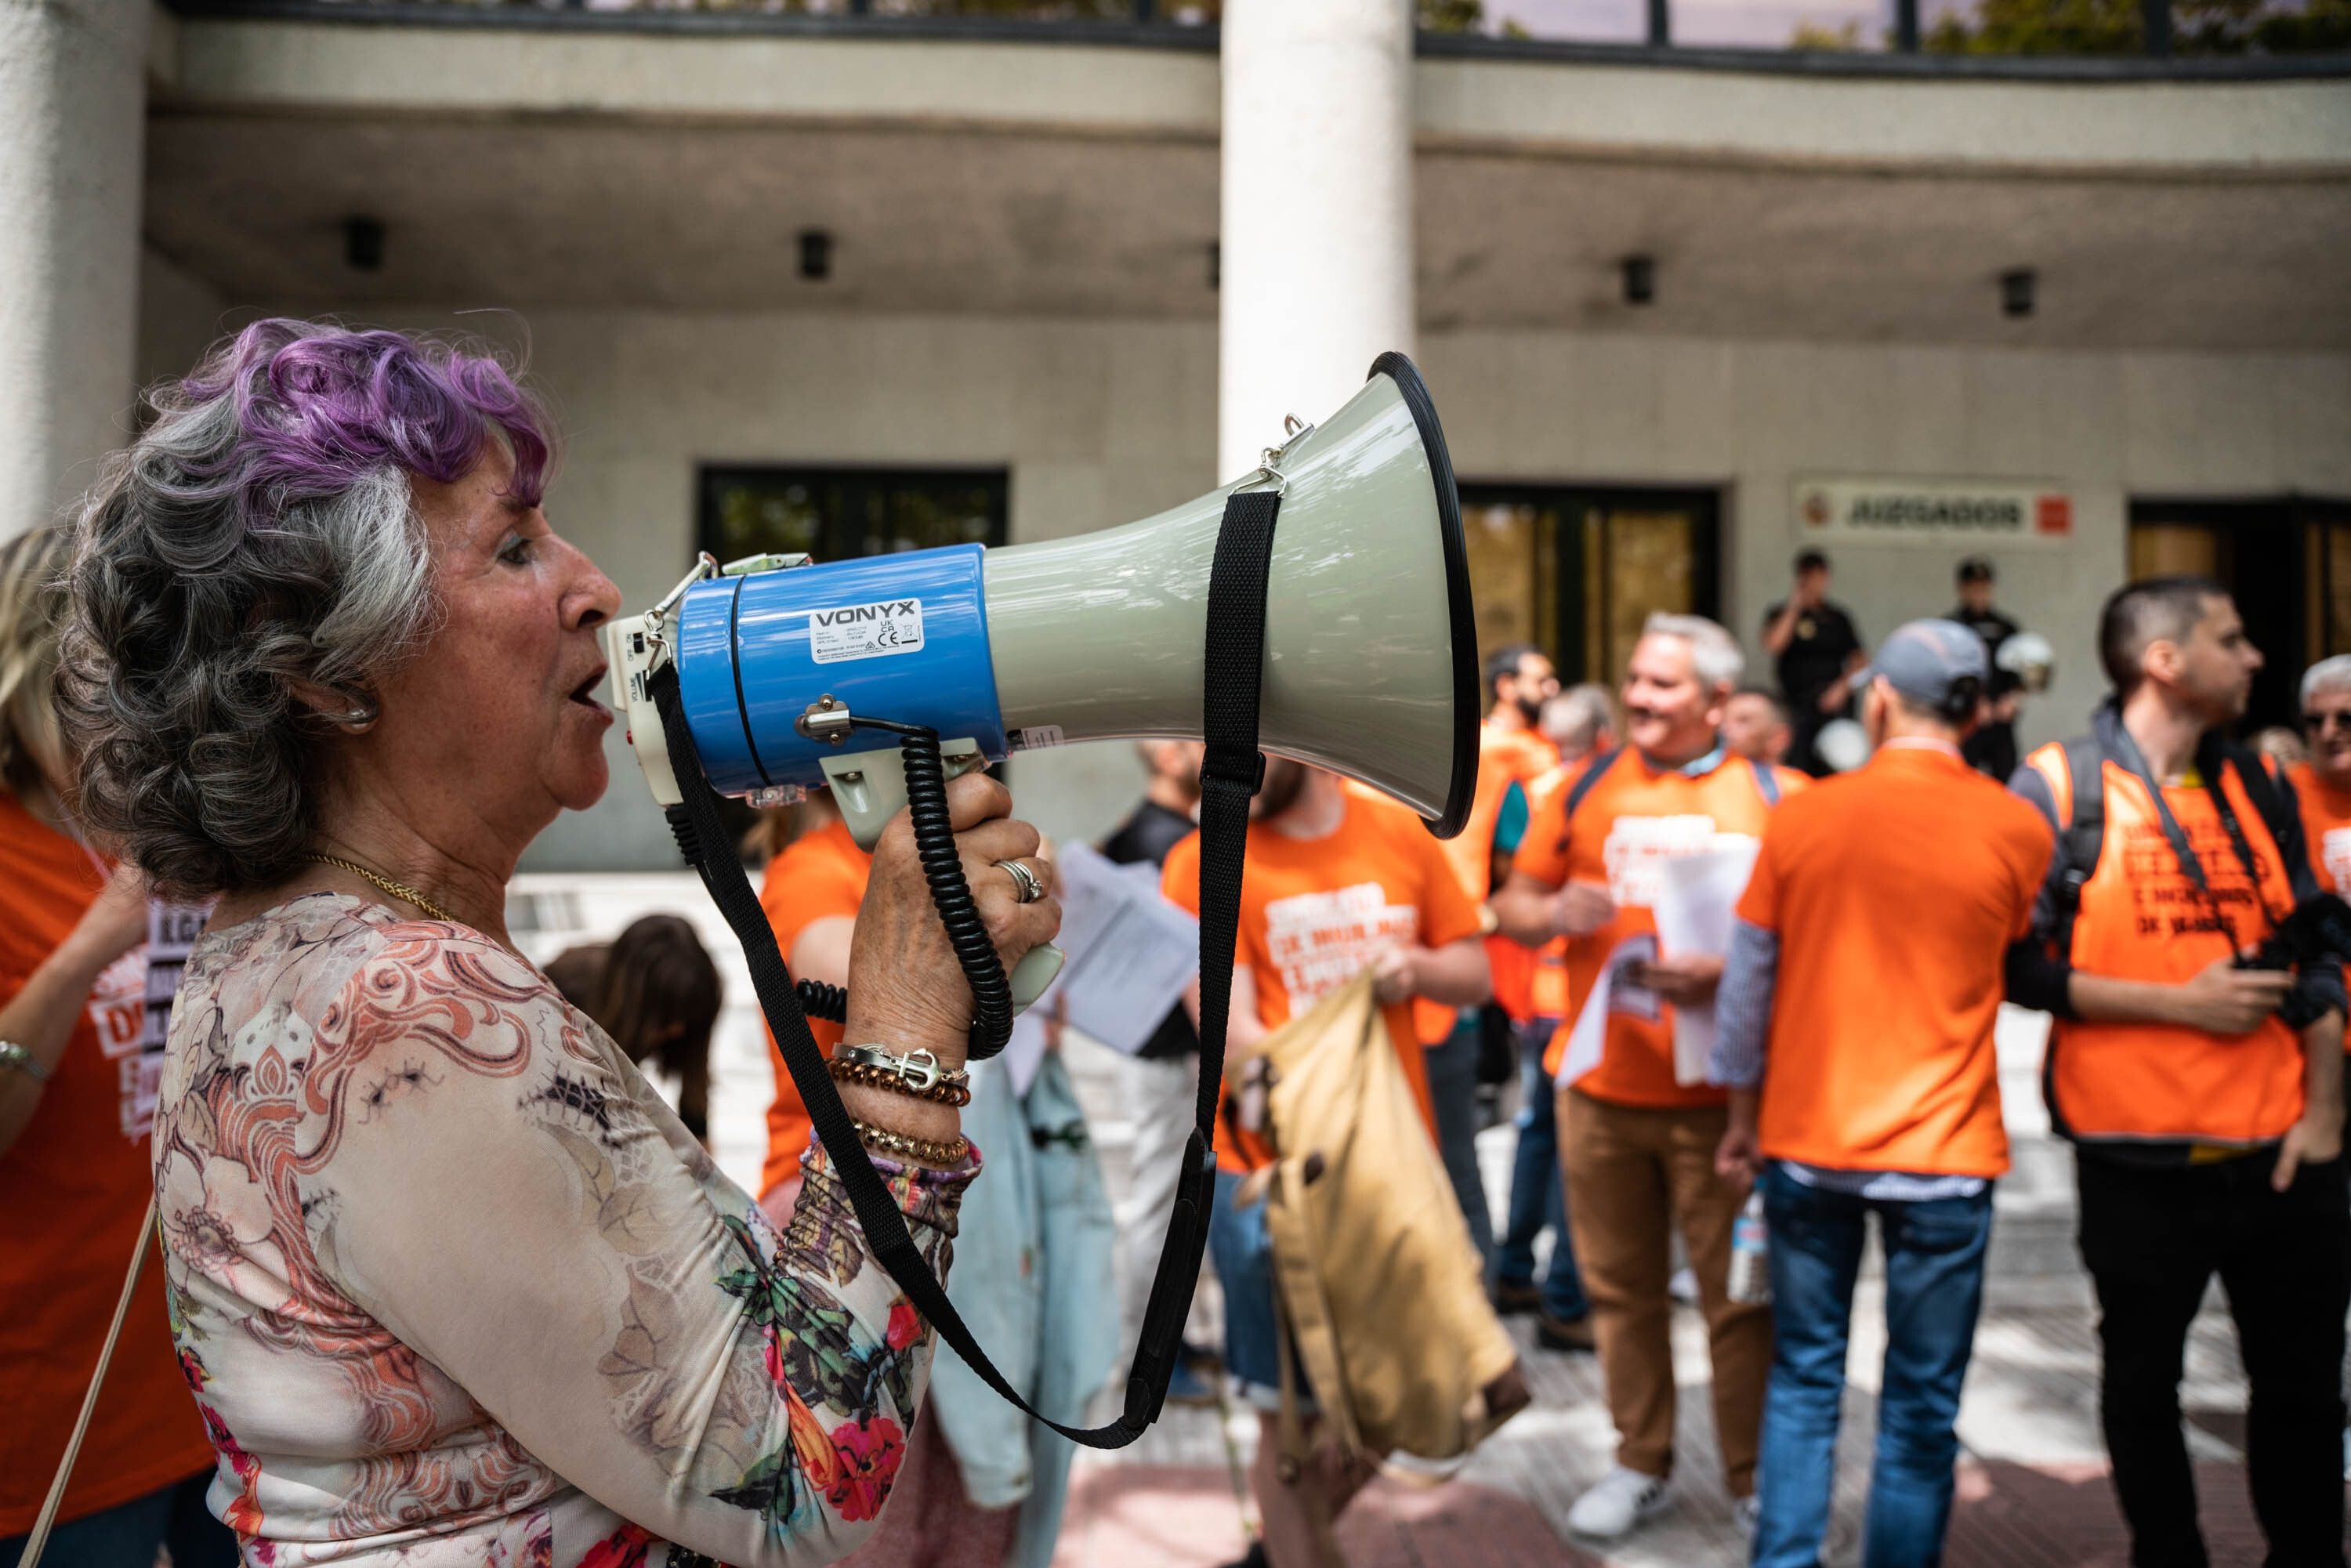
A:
x: 1038, y: 968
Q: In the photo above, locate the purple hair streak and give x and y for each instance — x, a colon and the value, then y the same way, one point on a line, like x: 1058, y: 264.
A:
x: 318, y: 409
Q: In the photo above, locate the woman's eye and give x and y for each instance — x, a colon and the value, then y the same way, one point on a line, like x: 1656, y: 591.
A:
x: 516, y: 552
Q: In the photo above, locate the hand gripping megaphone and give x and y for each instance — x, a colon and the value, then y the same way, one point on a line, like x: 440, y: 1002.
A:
x: 1370, y: 649
x: 1319, y: 608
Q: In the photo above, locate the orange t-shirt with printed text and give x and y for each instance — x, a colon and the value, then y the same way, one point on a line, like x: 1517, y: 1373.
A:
x: 1634, y: 817
x: 77, y: 1181
x: 1316, y: 913
x: 818, y: 875
x: 1915, y: 870
x: 2325, y: 827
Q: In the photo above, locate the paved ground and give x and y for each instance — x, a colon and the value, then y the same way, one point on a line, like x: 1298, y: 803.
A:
x: 2032, y: 1489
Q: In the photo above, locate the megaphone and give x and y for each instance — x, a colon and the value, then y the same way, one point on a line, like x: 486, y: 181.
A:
x: 1370, y: 664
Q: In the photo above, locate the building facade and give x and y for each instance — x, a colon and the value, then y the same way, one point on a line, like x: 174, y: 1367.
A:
x: 864, y: 284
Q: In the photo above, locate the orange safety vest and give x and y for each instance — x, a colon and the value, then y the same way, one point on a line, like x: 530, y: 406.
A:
x: 2139, y: 917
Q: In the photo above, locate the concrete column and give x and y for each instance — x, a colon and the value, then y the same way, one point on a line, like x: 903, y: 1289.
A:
x: 1317, y: 252
x: 72, y: 159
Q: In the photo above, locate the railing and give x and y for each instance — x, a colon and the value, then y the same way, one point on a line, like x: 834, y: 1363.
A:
x: 2208, y: 37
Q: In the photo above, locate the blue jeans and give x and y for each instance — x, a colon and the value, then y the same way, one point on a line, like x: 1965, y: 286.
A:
x: 1934, y: 1287
x: 1453, y: 1094
x: 126, y: 1535
x: 1243, y: 1254
x: 1538, y: 1190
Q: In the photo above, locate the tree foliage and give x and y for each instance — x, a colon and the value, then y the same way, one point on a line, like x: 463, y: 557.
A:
x: 2118, y: 27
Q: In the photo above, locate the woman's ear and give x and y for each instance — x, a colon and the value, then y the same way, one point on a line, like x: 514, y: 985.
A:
x: 355, y: 712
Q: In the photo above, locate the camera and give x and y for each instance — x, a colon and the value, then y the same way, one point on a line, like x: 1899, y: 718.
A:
x: 2317, y: 932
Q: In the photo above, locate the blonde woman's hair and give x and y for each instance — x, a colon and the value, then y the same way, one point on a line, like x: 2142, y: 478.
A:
x: 32, y: 608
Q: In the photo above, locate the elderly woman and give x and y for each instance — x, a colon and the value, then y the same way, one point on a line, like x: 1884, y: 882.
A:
x: 451, y: 1283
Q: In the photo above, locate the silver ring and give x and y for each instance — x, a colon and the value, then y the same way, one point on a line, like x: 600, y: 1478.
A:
x: 1029, y: 885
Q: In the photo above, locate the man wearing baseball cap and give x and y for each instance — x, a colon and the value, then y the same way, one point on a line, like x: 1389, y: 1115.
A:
x: 1854, y: 1030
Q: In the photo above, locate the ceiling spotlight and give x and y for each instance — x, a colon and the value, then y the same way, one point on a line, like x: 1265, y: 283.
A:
x: 363, y: 243
x: 1640, y: 280
x: 2016, y: 291
x: 816, y: 255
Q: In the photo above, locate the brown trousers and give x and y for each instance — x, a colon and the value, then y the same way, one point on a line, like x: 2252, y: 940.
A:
x: 1631, y: 1174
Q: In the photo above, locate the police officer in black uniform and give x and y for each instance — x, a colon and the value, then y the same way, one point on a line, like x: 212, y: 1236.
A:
x: 1992, y: 749
x: 1815, y: 649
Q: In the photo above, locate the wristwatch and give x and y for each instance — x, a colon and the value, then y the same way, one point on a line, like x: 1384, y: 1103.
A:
x: 17, y: 1059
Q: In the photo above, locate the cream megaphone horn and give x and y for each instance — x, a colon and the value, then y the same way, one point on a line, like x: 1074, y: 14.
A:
x: 1370, y: 665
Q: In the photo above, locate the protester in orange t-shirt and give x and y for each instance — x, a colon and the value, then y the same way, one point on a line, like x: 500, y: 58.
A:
x: 1338, y: 881
x: 1877, y: 1098
x: 1638, y: 1143
x: 81, y: 1057
x: 810, y: 895
x: 2322, y: 784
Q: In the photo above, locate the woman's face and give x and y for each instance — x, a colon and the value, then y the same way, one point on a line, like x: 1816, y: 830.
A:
x: 497, y: 718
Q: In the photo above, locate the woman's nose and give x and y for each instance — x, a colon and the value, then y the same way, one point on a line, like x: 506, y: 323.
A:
x: 595, y: 599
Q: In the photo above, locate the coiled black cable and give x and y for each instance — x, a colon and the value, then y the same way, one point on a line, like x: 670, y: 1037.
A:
x: 819, y: 1001
x: 935, y: 845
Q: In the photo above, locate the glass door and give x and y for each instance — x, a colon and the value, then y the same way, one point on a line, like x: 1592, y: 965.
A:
x: 1575, y: 571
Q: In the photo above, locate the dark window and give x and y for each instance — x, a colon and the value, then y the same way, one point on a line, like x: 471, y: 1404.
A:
x: 834, y: 514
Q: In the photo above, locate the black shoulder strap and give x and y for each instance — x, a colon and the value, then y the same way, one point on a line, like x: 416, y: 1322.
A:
x: 2081, y: 839
x: 2271, y: 796
x: 1229, y: 776
x: 1583, y: 787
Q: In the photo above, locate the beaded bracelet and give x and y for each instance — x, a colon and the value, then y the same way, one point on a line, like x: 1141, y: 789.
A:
x: 918, y: 1074
x: 923, y: 1149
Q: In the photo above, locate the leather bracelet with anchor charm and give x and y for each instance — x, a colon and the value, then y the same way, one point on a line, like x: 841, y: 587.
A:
x: 917, y: 1074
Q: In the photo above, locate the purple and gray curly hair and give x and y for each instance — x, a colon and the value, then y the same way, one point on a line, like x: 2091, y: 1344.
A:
x: 260, y: 532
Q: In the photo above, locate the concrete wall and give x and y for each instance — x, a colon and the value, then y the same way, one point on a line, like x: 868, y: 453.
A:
x: 1102, y: 422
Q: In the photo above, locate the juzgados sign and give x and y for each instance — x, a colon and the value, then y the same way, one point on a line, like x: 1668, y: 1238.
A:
x: 1933, y: 511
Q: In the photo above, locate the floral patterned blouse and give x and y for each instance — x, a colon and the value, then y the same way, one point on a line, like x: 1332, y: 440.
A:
x: 452, y: 1284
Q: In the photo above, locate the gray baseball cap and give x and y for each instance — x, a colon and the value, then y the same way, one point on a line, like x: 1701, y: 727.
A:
x: 1925, y: 659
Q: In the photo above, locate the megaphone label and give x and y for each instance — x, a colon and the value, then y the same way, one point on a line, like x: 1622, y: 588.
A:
x: 866, y: 630
x: 1035, y: 738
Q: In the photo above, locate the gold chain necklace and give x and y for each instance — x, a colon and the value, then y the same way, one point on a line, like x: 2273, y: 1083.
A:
x: 401, y: 891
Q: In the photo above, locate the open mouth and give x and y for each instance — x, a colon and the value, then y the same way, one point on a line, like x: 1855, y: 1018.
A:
x: 584, y: 692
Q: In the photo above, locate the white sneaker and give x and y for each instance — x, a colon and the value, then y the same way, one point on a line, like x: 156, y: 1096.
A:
x: 1746, y: 1513
x: 1616, y: 1503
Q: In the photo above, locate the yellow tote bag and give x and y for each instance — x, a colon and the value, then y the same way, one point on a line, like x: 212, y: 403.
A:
x: 1378, y: 1280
